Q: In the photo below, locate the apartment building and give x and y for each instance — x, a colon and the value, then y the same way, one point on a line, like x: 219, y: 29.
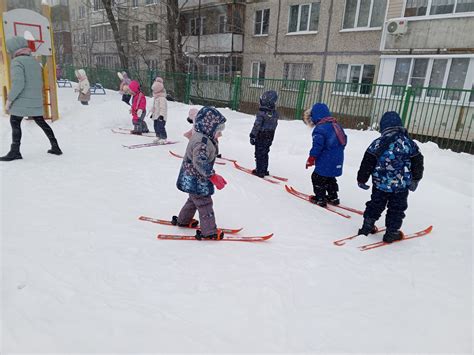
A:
x: 314, y: 40
x: 214, y: 36
x: 61, y: 31
x: 142, y: 27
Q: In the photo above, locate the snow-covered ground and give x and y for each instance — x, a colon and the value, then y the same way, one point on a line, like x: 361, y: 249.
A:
x: 81, y: 274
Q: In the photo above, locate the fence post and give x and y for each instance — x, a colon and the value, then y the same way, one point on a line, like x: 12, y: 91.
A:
x: 187, y: 90
x: 236, y: 93
x: 300, y: 99
x: 152, y: 77
x: 406, y: 103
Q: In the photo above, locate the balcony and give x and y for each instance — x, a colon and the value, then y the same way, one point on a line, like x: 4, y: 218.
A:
x: 214, y: 43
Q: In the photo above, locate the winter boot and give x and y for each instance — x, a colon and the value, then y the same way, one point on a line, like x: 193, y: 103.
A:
x: 318, y: 201
x: 218, y: 236
x: 192, y: 224
x: 333, y: 199
x: 136, y: 130
x: 55, y: 148
x: 267, y: 173
x: 368, y: 227
x: 13, y: 154
x: 257, y: 173
x: 392, y: 236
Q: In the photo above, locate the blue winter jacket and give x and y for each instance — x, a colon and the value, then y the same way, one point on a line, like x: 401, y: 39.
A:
x: 201, y: 152
x: 327, y: 149
x: 267, y: 116
x: 393, y: 160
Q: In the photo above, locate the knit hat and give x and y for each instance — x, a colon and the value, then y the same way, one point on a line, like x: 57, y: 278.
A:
x: 390, y: 119
x: 134, y: 86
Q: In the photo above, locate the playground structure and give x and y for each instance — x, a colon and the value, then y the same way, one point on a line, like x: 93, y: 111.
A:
x: 37, y: 30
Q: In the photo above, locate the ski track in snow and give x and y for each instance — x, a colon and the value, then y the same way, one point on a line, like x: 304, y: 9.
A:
x: 82, y: 274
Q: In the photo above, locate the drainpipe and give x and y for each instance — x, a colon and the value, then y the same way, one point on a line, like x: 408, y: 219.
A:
x: 326, y: 47
x: 277, y: 29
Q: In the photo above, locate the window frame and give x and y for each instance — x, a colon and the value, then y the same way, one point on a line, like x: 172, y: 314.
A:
x: 431, y: 59
x: 298, y: 31
x: 134, y: 4
x: 153, y: 2
x: 261, y: 34
x: 137, y: 33
x: 356, y: 28
x: 99, y: 6
x: 288, y: 83
x: 346, y: 84
x: 219, y: 24
x: 428, y: 15
x: 147, y: 32
x: 201, y: 27
x: 257, y: 81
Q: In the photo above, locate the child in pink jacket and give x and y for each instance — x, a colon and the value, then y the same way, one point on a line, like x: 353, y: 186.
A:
x: 138, y: 109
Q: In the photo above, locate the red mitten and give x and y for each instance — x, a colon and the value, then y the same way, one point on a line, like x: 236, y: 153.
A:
x: 310, y: 162
x: 218, y: 181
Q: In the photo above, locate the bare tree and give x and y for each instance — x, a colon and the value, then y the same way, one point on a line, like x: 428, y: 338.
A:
x: 108, y: 6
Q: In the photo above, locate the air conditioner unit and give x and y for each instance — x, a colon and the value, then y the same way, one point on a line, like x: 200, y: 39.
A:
x: 397, y: 27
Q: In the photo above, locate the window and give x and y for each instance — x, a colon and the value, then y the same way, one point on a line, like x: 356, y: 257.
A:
x: 364, y: 13
x: 152, y: 63
x: 304, y: 18
x: 151, y: 2
x: 258, y: 73
x: 359, y: 76
x: 82, y: 12
x: 151, y: 32
x: 296, y: 71
x: 97, y: 5
x: 108, y: 33
x: 222, y: 26
x: 262, y: 20
x: 83, y: 38
x: 197, y: 26
x: 447, y: 73
x: 134, y: 33
x: 134, y: 3
x: 437, y: 7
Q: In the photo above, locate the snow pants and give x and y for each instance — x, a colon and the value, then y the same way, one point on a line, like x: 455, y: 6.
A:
x: 160, y: 130
x: 396, y: 203
x: 263, y: 142
x: 203, y: 204
x: 324, y: 187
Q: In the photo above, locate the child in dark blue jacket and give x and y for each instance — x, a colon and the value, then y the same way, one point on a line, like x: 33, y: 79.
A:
x: 396, y: 166
x: 327, y: 154
x: 263, y: 131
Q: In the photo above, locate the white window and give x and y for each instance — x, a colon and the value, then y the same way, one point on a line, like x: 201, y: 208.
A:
x: 222, y: 26
x: 258, y: 73
x: 108, y: 33
x: 82, y: 12
x: 197, y: 26
x: 152, y: 63
x: 437, y: 7
x: 296, y: 71
x: 151, y: 2
x: 262, y: 21
x: 304, y: 18
x: 134, y: 3
x: 98, y: 5
x: 357, y: 78
x: 435, y: 73
x: 151, y: 32
x: 364, y: 13
x: 135, y: 35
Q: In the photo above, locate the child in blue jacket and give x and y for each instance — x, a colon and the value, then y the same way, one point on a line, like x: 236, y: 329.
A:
x: 326, y: 154
x: 396, y: 166
x: 263, y: 131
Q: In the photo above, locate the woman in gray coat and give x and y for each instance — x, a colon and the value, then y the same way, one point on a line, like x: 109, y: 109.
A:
x: 26, y: 96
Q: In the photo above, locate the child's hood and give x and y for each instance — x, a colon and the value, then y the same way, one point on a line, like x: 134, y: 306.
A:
x: 158, y: 89
x: 268, y: 100
x: 134, y: 86
x: 390, y: 119
x: 208, y: 120
x: 319, y: 111
x: 81, y: 74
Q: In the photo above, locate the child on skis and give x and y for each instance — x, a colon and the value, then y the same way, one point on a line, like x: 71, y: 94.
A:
x: 197, y: 176
x: 138, y: 109
x: 124, y: 84
x: 396, y: 166
x: 326, y: 154
x: 83, y: 88
x: 263, y: 131
x: 159, y: 110
x: 191, y: 116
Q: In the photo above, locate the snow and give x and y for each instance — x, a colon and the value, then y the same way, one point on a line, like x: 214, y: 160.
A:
x: 82, y: 274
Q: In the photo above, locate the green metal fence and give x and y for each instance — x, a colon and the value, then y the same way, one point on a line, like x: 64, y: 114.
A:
x: 444, y: 116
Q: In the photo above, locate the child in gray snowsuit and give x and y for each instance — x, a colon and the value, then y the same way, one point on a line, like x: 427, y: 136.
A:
x: 197, y: 176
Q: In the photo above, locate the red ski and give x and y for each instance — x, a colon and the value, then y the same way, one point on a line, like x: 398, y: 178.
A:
x: 144, y: 145
x: 231, y: 160
x: 350, y: 209
x: 344, y: 240
x: 229, y: 238
x: 128, y: 131
x: 305, y: 197
x: 168, y: 223
x: 180, y: 156
x: 249, y: 171
x: 405, y: 237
